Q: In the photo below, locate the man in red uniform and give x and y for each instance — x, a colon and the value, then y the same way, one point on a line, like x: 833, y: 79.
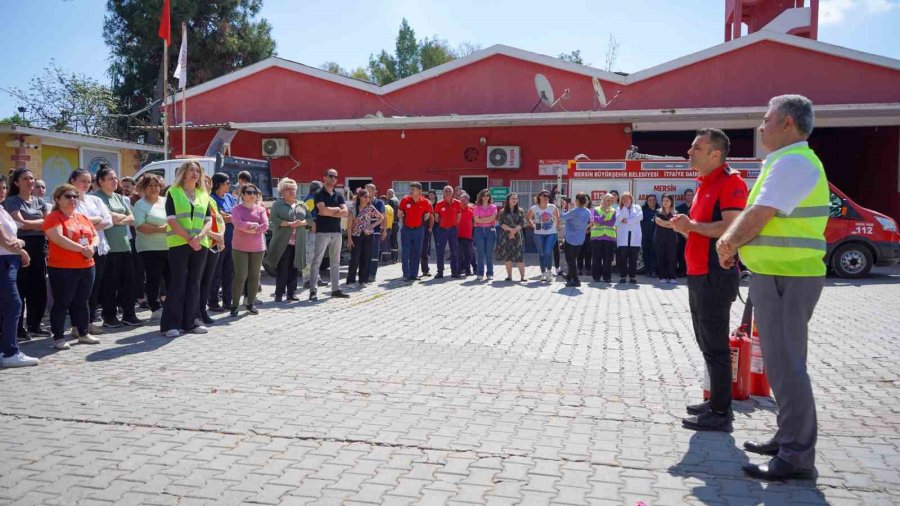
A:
x: 464, y: 235
x: 447, y: 212
x: 719, y: 199
x: 415, y: 211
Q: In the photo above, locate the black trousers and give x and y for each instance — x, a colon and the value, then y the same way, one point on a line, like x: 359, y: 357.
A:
x: 680, y: 263
x: 183, y: 291
x: 117, y: 287
x: 584, y: 257
x: 360, y: 255
x: 666, y: 251
x: 627, y: 261
x: 572, y: 251
x: 156, y: 269
x: 556, y: 255
x: 710, y: 297
x: 286, y: 273
x: 32, y: 283
x: 394, y: 243
x: 209, y: 270
x: 71, y: 290
x: 648, y: 251
x: 601, y: 259
x: 222, y: 278
x: 140, y: 274
x: 466, y: 263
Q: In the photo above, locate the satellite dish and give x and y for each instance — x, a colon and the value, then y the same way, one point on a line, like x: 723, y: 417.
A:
x: 544, y: 91
x: 598, y: 93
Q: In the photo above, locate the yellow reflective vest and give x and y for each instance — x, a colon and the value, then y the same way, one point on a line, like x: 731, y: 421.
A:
x: 189, y: 216
x: 792, y: 245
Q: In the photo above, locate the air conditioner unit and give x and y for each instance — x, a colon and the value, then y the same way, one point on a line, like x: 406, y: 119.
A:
x: 503, y: 157
x: 272, y: 148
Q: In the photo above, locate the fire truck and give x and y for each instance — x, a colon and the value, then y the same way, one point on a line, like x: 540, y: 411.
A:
x: 858, y: 238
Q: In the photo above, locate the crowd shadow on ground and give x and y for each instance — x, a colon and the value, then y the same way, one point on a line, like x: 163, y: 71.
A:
x: 715, y: 459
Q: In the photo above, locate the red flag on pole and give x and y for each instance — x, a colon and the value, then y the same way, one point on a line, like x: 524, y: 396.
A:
x: 165, y: 25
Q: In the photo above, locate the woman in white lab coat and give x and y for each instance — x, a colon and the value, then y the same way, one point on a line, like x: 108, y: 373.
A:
x: 628, y: 237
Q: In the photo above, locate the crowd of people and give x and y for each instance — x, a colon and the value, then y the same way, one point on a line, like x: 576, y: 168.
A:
x: 101, y: 246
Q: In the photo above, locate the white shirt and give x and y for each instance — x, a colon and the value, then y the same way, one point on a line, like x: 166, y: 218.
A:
x: 545, y: 219
x: 790, y: 180
x: 11, y: 227
x: 92, y: 206
x: 633, y: 214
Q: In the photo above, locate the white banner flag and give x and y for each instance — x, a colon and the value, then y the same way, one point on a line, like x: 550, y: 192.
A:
x: 181, y: 68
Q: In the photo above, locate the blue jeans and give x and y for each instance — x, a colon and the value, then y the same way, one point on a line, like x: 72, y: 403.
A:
x: 411, y: 240
x: 443, y: 237
x: 10, y: 304
x: 545, y: 244
x: 71, y: 291
x: 485, y: 239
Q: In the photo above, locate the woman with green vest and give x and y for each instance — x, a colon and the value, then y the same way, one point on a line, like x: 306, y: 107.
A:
x: 189, y: 219
x: 287, y: 248
x: 603, y: 238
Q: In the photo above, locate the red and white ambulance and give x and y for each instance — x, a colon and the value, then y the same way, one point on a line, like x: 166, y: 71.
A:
x: 858, y: 238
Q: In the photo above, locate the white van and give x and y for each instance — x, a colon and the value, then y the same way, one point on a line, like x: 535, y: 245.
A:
x: 260, y: 172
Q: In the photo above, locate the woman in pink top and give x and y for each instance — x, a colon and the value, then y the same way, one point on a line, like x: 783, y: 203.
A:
x: 248, y: 246
x: 485, y: 234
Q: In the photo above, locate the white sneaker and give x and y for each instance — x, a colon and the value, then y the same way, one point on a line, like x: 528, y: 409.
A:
x: 88, y: 339
x: 172, y: 333
x: 198, y: 322
x: 95, y: 329
x: 61, y: 344
x: 673, y: 282
x: 18, y: 360
x: 155, y: 316
x: 199, y: 329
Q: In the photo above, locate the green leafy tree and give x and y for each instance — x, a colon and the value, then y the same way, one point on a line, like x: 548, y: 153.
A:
x: 223, y: 35
x: 361, y: 74
x: 434, y: 52
x: 574, y: 57
x: 407, y: 55
x: 383, y: 68
x: 334, y: 68
x: 15, y: 119
x: 60, y: 100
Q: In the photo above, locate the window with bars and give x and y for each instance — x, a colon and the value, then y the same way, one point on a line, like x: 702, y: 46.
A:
x: 528, y: 189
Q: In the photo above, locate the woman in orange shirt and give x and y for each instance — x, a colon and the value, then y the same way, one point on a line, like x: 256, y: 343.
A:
x: 73, y: 242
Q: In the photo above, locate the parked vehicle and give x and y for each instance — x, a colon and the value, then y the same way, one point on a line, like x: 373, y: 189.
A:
x: 260, y: 172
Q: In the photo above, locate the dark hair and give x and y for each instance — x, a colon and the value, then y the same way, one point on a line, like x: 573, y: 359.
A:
x: 670, y: 198
x: 14, y: 180
x: 481, y: 195
x: 244, y: 175
x: 148, y: 178
x: 506, y: 206
x: 719, y: 140
x: 360, y: 193
x: 3, y: 179
x: 247, y: 187
x: 77, y: 173
x: 544, y: 193
x: 582, y: 199
x: 104, y: 171
x: 415, y: 185
x: 646, y: 200
x: 218, y: 179
x: 127, y: 179
x: 614, y: 192
x: 688, y: 190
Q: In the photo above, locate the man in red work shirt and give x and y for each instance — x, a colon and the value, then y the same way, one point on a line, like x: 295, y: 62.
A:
x: 719, y: 199
x: 415, y: 210
x: 447, y: 212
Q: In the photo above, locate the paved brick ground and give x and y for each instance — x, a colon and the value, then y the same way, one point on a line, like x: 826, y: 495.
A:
x: 442, y: 392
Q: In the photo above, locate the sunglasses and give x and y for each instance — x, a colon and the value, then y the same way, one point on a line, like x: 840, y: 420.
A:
x: 331, y: 176
x: 38, y: 187
x: 70, y: 196
x: 251, y: 192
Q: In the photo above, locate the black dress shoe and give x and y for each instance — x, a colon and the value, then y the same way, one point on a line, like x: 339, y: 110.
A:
x: 709, y: 421
x: 252, y: 309
x: 233, y: 312
x: 777, y: 470
x: 770, y: 447
x: 217, y: 309
x: 278, y: 298
x: 313, y: 297
x: 204, y: 317
x: 39, y: 332
x: 292, y: 298
x: 696, y: 409
x: 340, y: 295
x: 23, y: 336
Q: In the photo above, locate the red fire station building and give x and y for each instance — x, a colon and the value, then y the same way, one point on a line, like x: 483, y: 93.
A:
x: 478, y: 121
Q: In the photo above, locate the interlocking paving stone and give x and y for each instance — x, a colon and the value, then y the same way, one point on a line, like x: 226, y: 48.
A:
x: 444, y: 392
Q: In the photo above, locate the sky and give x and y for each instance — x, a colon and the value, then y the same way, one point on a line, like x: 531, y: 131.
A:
x: 648, y: 32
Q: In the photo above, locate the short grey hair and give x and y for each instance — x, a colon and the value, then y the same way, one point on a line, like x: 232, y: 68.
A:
x: 286, y: 182
x: 797, y: 107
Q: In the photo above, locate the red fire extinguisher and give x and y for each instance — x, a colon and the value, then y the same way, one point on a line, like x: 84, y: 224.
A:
x: 741, y: 349
x: 759, y: 384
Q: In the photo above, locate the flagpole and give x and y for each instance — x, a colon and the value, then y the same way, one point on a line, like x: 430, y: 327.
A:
x: 165, y: 93
x: 183, y: 97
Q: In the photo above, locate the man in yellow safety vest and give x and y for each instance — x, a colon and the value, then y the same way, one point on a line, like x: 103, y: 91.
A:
x: 781, y: 239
